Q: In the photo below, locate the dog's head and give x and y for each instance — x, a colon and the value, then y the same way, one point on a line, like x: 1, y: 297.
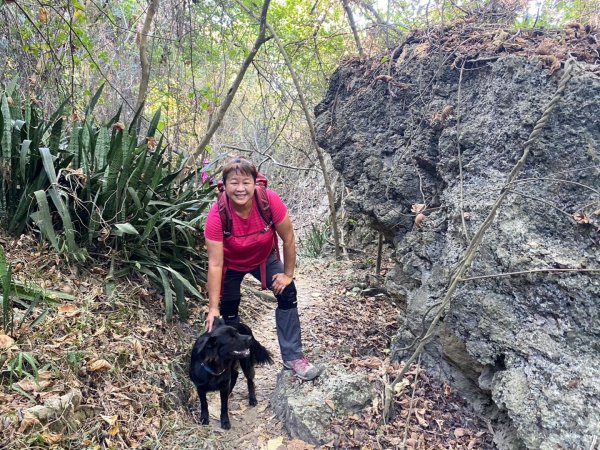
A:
x: 223, y: 342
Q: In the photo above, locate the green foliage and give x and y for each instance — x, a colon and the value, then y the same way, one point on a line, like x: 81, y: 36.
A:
x: 21, y: 365
x: 5, y: 282
x: 25, y: 296
x: 314, y: 241
x: 100, y: 190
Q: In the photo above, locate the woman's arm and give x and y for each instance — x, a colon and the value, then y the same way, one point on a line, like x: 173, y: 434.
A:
x: 215, y: 278
x: 285, y: 230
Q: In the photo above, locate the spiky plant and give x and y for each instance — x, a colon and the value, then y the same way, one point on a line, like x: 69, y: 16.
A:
x: 98, y: 189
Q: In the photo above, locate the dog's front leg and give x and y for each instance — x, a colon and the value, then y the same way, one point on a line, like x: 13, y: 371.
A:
x: 225, y: 424
x: 203, y: 408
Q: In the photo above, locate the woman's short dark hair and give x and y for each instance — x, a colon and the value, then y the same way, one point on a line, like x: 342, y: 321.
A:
x: 239, y: 165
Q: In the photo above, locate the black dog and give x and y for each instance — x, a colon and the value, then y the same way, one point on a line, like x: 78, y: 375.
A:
x: 216, y: 357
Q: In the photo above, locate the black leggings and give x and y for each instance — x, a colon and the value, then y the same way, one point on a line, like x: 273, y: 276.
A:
x: 287, y: 320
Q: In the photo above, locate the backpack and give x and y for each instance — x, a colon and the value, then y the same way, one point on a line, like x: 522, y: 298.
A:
x: 262, y: 202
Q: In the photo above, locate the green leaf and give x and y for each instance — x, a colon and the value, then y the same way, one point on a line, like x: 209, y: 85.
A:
x: 102, y: 148
x: 93, y: 101
x: 24, y: 157
x: 168, y: 294
x: 6, y: 141
x: 43, y: 219
x: 125, y: 228
x: 153, y: 123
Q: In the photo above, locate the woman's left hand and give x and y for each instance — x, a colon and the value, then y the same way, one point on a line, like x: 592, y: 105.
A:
x: 280, y: 282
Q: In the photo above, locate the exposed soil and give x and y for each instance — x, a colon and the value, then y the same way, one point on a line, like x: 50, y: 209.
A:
x: 130, y: 367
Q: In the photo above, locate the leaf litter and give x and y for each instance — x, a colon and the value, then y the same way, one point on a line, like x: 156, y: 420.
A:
x: 118, y: 370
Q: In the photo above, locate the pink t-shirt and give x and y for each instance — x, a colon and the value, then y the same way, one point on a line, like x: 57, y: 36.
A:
x: 247, y: 247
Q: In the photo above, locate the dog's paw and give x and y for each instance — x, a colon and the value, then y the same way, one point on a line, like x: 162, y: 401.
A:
x: 204, y: 420
x: 225, y: 424
x: 252, y: 401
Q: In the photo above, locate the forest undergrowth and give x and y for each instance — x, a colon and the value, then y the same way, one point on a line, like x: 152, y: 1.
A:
x: 107, y: 372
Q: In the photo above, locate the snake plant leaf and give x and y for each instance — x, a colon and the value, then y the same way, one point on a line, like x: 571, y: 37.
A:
x: 48, y: 161
x: 43, y: 219
x: 153, y: 124
x: 114, y: 119
x: 5, y: 282
x: 135, y: 198
x: 56, y: 195
x: 6, y: 140
x: 185, y: 282
x: 125, y: 228
x: 102, y: 148
x: 180, y: 302
x: 55, y: 135
x: 134, y: 128
x: 93, y: 101
x: 73, y: 147
x: 24, y: 157
x: 168, y: 294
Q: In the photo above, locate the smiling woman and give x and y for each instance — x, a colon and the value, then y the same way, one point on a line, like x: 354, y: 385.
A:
x: 249, y: 245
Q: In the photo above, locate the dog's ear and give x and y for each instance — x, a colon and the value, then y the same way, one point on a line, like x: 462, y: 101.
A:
x: 203, y: 342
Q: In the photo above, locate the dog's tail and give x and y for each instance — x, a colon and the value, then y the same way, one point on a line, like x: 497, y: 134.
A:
x: 260, y: 355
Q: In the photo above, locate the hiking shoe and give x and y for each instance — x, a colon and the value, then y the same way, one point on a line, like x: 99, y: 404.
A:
x: 302, y: 368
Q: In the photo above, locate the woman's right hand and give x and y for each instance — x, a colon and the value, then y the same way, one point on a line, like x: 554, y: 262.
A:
x: 210, y: 318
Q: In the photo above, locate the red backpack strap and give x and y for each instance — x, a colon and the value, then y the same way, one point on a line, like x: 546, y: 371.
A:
x: 224, y: 211
x: 262, y: 200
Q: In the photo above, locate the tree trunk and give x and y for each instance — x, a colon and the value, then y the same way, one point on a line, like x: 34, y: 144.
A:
x: 144, y: 59
x: 361, y: 52
x: 218, y: 117
x: 313, y: 136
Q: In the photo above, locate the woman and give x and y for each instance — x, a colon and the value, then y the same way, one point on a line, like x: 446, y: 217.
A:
x: 252, y: 248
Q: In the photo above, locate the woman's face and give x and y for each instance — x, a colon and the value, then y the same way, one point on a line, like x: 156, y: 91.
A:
x: 240, y: 188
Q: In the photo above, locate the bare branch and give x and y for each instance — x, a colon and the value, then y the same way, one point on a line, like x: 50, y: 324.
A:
x: 144, y: 60
x: 260, y: 40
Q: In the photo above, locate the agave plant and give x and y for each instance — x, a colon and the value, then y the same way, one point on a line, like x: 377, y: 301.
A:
x: 98, y: 189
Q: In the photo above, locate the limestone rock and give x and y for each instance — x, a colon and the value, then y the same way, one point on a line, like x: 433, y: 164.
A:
x: 306, y: 408
x: 531, y: 341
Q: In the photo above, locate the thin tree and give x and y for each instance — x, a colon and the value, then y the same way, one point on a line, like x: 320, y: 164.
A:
x: 144, y: 59
x: 313, y: 137
x: 218, y: 117
x: 361, y: 52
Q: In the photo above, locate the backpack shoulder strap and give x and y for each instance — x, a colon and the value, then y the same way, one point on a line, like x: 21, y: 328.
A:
x: 224, y: 211
x: 262, y: 200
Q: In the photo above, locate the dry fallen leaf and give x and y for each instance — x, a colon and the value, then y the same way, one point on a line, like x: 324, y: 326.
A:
x: 418, y: 208
x: 68, y: 310
x: 274, y: 444
x: 331, y: 404
x: 51, y: 438
x: 30, y: 385
x: 6, y: 341
x: 29, y: 421
x: 399, y: 387
x: 581, y: 218
x: 137, y: 346
x: 297, y: 444
x: 99, y: 364
x: 459, y: 432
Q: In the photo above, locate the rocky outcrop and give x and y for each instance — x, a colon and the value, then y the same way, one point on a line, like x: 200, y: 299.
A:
x: 427, y: 129
x: 307, y: 408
